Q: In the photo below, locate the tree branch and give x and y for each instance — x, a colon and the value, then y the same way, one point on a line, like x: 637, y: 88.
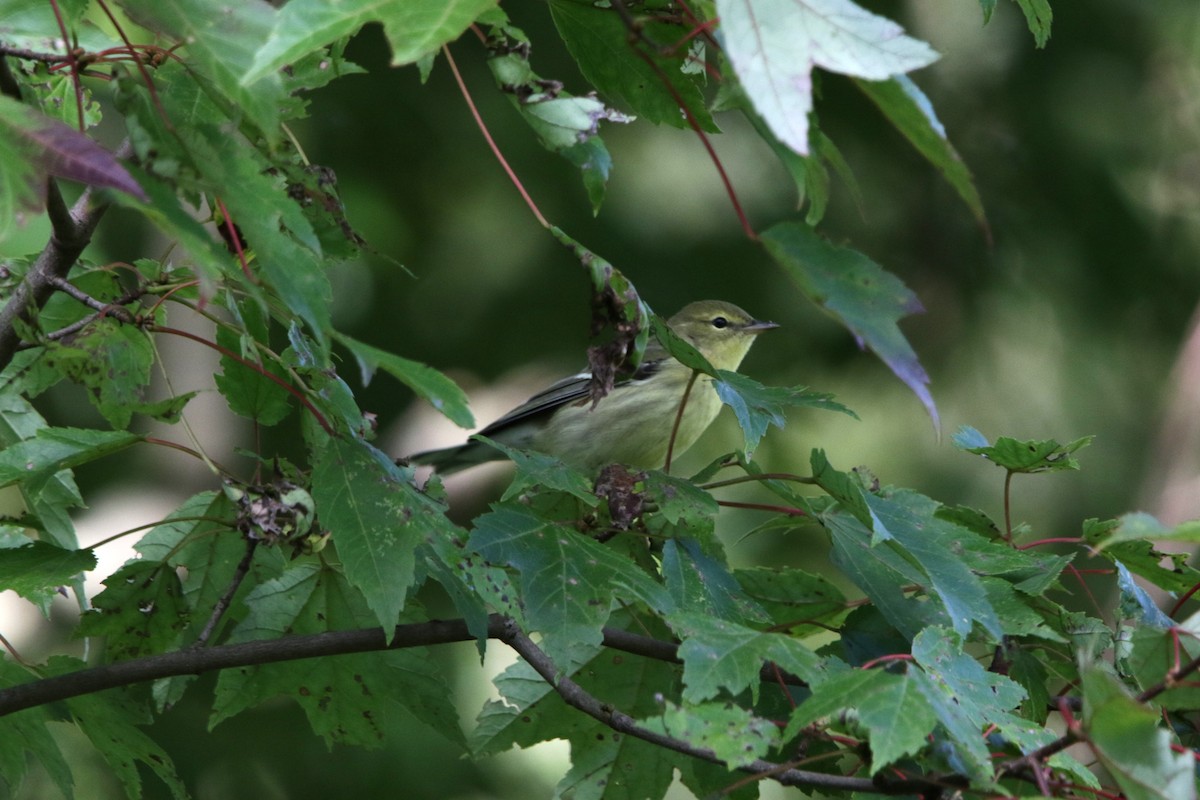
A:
x: 71, y: 232
x: 576, y: 697
x: 194, y: 661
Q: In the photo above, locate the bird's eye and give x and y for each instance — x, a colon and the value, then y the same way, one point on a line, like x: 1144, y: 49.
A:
x: 719, y: 322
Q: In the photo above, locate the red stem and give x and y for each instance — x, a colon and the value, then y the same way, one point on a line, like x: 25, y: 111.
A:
x: 512, y: 176
x: 1186, y: 596
x: 791, y: 512
x: 884, y: 659
x: 304, y: 401
x: 74, y: 65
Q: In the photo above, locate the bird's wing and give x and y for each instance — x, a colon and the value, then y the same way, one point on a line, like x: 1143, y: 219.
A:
x: 566, y: 391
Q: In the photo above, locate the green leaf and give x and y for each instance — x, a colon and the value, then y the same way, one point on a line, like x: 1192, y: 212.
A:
x: 910, y: 111
x: 890, y: 707
x: 1039, y: 16
x: 1139, y: 526
x: 377, y: 519
x: 1129, y: 740
x: 967, y: 699
x: 207, y: 259
x: 250, y: 392
x: 792, y: 597
x: 201, y: 541
x: 112, y: 728
x: 35, y: 570
x: 36, y: 461
x: 285, y: 245
x: 540, y: 470
x: 1150, y: 654
x: 757, y: 406
x: 169, y: 410
x: 530, y: 711
x: 594, y: 163
x: 603, y: 765
x: 600, y: 44
x: 413, y: 29
x: 51, y: 501
x: 848, y: 490
x: 774, y: 44
x: 1168, y: 571
x: 565, y: 124
x: 350, y: 699
x: 568, y: 581
x: 54, y: 94
x: 1026, y: 456
x: 883, y: 574
x: 936, y: 544
x: 732, y: 733
x: 680, y: 349
x: 987, y: 6
x: 27, y: 735
x: 219, y: 50
x: 441, y: 392
x: 702, y: 584
x: 718, y: 655
x: 681, y: 502
x: 112, y: 361
x: 858, y: 293
x: 141, y: 611
x: 1136, y: 604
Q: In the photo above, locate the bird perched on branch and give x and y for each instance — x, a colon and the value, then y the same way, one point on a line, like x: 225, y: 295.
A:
x: 632, y: 424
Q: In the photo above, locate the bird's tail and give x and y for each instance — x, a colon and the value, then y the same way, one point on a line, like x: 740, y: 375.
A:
x: 452, y: 459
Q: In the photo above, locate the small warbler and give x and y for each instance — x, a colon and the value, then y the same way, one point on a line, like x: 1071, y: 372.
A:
x: 631, y: 424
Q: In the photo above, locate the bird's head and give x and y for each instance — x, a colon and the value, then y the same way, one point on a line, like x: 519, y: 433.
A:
x: 721, y: 331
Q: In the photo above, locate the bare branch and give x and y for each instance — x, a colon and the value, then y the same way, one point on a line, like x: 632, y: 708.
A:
x: 72, y: 232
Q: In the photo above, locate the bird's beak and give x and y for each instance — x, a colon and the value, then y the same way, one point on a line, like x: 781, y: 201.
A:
x: 758, y: 326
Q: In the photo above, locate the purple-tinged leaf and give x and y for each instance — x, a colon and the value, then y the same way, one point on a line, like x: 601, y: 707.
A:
x: 858, y: 293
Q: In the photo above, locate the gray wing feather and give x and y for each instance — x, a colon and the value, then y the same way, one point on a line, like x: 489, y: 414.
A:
x: 569, y: 390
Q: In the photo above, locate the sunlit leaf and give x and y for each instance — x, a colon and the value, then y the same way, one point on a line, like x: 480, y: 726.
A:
x: 413, y: 29
x: 774, y: 45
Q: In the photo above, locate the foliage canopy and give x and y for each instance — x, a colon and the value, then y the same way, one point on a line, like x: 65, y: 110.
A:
x: 313, y: 578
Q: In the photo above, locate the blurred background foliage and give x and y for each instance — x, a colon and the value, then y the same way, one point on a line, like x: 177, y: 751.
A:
x: 1067, y: 318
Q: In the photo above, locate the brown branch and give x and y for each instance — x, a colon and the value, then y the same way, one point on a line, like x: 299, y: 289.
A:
x: 226, y: 598
x: 289, y: 648
x: 196, y: 661
x: 71, y: 232
x: 31, y: 55
x: 576, y: 697
x: 70, y: 235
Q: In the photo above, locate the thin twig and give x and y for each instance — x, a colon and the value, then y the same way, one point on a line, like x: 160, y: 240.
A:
x: 687, y: 392
x: 225, y: 351
x: 31, y: 55
x: 239, y: 575
x: 512, y: 176
x: 763, y: 476
x: 68, y: 239
x: 114, y: 309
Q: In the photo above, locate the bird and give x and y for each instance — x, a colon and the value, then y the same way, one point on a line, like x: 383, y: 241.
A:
x: 632, y: 424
